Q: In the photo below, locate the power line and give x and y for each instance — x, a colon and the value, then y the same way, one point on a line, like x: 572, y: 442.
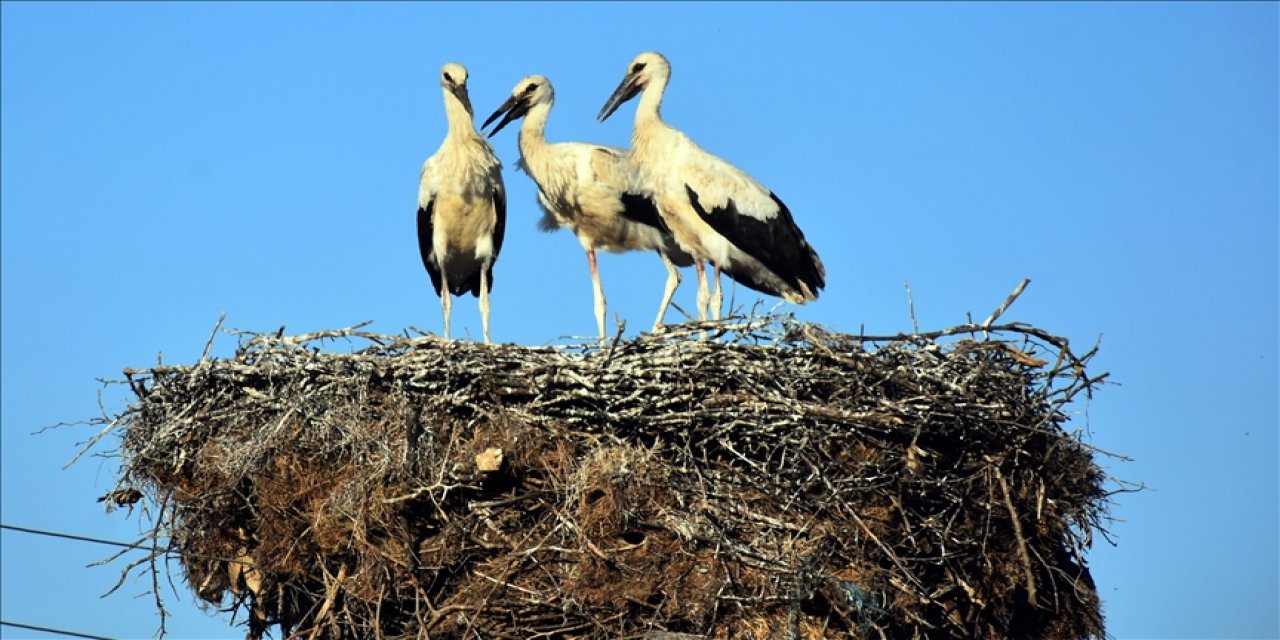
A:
x: 72, y: 536
x: 117, y: 543
x: 61, y: 632
x: 78, y: 538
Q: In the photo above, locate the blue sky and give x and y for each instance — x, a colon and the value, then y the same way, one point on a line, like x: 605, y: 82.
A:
x: 165, y: 163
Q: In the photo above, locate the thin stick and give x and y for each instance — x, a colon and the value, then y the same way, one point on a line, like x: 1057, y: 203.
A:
x: 1015, y: 327
x: 212, y: 334
x: 911, y: 307
x: 89, y: 444
x: 329, y: 599
x: 1007, y: 301
x: 1017, y: 532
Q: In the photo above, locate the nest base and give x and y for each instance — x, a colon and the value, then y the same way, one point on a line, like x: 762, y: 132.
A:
x: 780, y: 482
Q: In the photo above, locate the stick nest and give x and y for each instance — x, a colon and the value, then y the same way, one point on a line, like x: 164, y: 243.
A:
x: 777, y: 481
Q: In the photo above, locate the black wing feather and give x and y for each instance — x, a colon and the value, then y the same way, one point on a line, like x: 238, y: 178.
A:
x: 777, y: 243
x: 638, y: 208
x: 499, y: 225
x: 424, y: 244
x: 642, y: 210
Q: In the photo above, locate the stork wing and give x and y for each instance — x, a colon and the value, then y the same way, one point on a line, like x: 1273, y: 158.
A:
x: 499, y: 199
x: 425, y: 247
x: 638, y: 208
x: 500, y: 221
x: 768, y: 234
x: 609, y: 166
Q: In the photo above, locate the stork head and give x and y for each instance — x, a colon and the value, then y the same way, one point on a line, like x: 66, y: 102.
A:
x: 531, y: 90
x: 644, y: 69
x: 453, y: 78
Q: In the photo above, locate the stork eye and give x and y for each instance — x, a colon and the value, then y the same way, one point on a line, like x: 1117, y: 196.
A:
x: 637, y: 67
x: 530, y: 88
x: 448, y: 78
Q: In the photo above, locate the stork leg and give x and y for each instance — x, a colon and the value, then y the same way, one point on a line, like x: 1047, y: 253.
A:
x: 673, y: 281
x: 446, y: 300
x: 717, y: 297
x: 484, y: 300
x: 703, y: 296
x: 598, y: 290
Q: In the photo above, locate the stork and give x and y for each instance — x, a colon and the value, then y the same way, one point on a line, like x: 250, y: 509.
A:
x: 715, y: 211
x: 583, y: 187
x: 462, y: 205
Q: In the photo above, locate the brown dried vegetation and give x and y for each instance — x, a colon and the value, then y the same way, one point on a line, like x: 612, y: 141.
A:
x: 780, y: 481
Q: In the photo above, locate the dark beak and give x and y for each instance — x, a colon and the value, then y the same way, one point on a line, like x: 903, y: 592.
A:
x: 513, y: 107
x: 460, y: 92
x: 625, y: 91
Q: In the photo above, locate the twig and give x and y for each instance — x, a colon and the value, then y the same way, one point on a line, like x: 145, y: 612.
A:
x: 1004, y: 306
x: 911, y: 308
x: 212, y: 334
x: 328, y: 600
x: 91, y: 442
x: 157, y: 550
x: 1028, y: 573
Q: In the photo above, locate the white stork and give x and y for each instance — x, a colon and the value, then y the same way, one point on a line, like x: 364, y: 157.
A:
x: 462, y: 206
x: 715, y: 211
x: 583, y: 187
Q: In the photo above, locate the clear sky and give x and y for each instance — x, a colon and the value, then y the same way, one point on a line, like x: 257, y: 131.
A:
x: 165, y: 163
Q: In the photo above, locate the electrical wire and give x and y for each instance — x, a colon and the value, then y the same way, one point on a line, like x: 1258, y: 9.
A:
x: 72, y: 536
x: 77, y: 538
x: 61, y: 632
x: 67, y: 536
x: 115, y: 543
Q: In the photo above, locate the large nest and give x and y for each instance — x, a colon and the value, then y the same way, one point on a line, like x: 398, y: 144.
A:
x: 774, y: 481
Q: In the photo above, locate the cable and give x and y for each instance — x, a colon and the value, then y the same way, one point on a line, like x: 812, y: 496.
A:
x: 61, y: 632
x: 72, y: 536
x: 78, y: 538
x: 68, y: 536
x: 116, y: 543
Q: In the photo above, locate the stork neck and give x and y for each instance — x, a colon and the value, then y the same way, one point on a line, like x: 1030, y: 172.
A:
x: 533, y: 129
x: 650, y: 101
x: 460, y: 120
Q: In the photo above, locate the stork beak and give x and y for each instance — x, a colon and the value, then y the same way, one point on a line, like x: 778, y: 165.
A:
x: 625, y: 91
x: 513, y: 107
x: 460, y: 92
